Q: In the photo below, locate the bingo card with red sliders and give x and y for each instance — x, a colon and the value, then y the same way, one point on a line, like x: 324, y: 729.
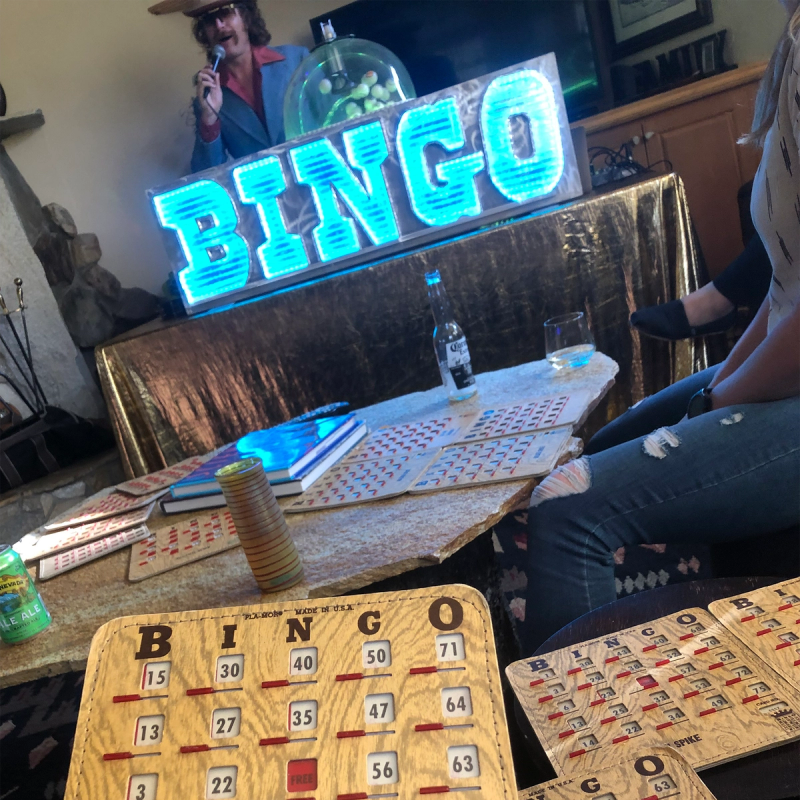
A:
x: 387, y: 695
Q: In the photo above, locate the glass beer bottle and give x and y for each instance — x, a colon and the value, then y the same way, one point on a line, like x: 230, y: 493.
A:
x: 449, y: 343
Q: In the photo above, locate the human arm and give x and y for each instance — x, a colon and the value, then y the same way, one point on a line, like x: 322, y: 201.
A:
x: 754, y: 335
x: 206, y: 154
x: 762, y: 367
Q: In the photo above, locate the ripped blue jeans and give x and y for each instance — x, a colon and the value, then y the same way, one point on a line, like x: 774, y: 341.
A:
x: 652, y: 477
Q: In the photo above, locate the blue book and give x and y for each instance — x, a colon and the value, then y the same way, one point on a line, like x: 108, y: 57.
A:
x: 287, y: 451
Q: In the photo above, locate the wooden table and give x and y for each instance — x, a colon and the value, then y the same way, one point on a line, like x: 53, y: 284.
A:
x: 342, y: 549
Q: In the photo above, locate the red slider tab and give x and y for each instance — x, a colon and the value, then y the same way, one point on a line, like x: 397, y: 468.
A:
x: 782, y: 645
x: 355, y: 676
x: 274, y: 684
x: 556, y: 715
x: 731, y: 681
x: 537, y: 682
x: 598, y: 702
x: 707, y: 712
x: 763, y: 631
x: 421, y: 670
x: 203, y: 690
x: 651, y: 797
x: 350, y: 734
x: 194, y: 748
x: 796, y: 663
x: 716, y: 665
x: 664, y: 725
x: 356, y: 796
x: 274, y: 740
x: 576, y: 753
x: 583, y: 686
x: 674, y: 678
x: 685, y: 637
x: 433, y: 790
x: 606, y: 720
x: 574, y: 670
x: 612, y: 659
x: 784, y: 607
x: 624, y: 673
x: 797, y: 621
x: 649, y: 648
x: 116, y: 756
x: 620, y: 739
x: 125, y: 698
x: 650, y: 707
x: 700, y: 650
x: 661, y: 662
x: 429, y: 726
x: 691, y: 694
x: 748, y: 618
x: 564, y: 734
x: 545, y: 698
x: 750, y: 699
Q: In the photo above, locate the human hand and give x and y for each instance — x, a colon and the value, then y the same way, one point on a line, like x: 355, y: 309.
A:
x: 211, y: 103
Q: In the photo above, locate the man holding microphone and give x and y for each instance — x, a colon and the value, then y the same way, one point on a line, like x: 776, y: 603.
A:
x: 239, y: 107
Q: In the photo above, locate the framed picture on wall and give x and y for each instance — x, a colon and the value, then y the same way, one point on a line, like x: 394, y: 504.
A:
x: 639, y: 24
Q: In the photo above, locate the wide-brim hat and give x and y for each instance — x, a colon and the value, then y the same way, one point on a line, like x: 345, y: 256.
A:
x: 191, y: 8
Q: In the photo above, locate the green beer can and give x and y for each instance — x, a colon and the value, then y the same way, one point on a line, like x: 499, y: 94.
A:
x: 22, y: 612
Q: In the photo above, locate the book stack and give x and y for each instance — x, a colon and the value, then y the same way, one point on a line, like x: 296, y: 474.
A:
x: 294, y: 456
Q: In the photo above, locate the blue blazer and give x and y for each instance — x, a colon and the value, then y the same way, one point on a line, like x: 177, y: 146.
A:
x: 241, y: 130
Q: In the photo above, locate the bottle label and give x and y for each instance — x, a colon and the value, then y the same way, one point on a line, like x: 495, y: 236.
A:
x: 459, y: 364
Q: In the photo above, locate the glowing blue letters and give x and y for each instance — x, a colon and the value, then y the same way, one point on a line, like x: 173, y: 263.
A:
x: 260, y: 183
x: 320, y: 166
x: 455, y: 196
x: 463, y: 156
x: 203, y: 216
x: 523, y: 94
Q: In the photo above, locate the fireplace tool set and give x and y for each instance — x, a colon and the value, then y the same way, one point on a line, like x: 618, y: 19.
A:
x: 33, y: 395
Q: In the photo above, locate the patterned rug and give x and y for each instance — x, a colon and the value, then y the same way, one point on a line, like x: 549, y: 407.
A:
x: 636, y: 568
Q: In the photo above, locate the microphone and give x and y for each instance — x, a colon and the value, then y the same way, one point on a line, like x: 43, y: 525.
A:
x: 219, y: 55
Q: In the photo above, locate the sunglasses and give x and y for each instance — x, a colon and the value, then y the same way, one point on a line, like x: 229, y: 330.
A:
x: 222, y: 13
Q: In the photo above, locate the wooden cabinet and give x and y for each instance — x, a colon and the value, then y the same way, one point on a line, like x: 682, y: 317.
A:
x: 695, y: 128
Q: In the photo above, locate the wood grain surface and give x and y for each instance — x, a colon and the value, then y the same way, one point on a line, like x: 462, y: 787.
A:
x: 659, y: 772
x: 682, y: 680
x: 333, y: 657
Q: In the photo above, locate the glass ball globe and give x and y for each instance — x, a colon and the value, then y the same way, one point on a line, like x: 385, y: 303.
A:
x: 340, y: 80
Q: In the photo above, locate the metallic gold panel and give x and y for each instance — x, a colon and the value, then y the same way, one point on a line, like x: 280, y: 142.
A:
x: 180, y: 388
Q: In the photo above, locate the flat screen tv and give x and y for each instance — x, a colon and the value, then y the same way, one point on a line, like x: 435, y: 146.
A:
x: 444, y: 42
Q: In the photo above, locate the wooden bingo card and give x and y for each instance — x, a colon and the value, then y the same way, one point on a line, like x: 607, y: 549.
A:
x: 681, y: 681
x: 544, y: 412
x: 188, y: 539
x: 396, y: 440
x: 654, y: 774
x: 165, y: 477
x: 513, y: 458
x: 768, y: 621
x: 105, y: 504
x: 389, y: 695
x: 360, y: 482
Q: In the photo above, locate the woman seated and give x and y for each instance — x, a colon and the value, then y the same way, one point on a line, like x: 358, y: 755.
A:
x: 714, y: 458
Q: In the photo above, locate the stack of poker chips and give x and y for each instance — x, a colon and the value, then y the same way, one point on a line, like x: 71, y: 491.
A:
x: 260, y: 524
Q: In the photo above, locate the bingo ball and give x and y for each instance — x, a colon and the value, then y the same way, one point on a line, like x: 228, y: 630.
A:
x: 370, y: 78
x: 352, y: 110
x: 360, y: 91
x: 325, y: 86
x: 391, y: 86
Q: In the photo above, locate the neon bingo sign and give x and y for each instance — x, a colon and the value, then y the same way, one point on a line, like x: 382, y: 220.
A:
x: 396, y: 178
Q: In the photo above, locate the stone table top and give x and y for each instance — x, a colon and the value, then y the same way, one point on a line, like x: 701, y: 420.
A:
x: 342, y: 549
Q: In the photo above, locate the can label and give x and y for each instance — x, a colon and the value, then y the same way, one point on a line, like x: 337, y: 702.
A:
x: 22, y: 612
